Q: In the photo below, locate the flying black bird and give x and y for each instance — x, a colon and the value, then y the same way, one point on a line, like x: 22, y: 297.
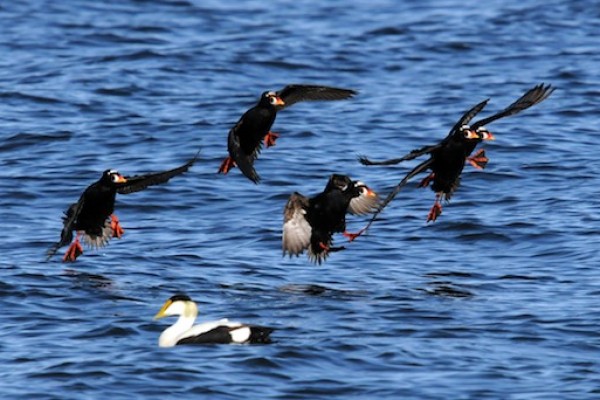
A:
x: 447, y: 158
x: 309, y: 223
x: 92, y: 216
x: 244, y: 141
x: 212, y: 332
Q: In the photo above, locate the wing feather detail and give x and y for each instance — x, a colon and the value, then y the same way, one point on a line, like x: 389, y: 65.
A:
x: 296, y: 229
x: 366, y: 202
x: 292, y: 94
x: 137, y: 183
x: 66, y: 235
x: 533, y: 96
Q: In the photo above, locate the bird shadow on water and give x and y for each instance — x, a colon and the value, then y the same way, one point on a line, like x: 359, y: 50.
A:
x: 311, y: 289
x: 96, y: 283
x: 442, y: 285
x: 304, y: 289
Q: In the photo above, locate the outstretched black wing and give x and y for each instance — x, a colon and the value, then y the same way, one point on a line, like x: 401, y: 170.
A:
x: 468, y: 116
x: 415, y: 171
x: 294, y: 93
x: 141, y: 182
x: 412, y: 155
x: 244, y: 150
x: 533, y: 96
x: 465, y: 119
x: 66, y: 236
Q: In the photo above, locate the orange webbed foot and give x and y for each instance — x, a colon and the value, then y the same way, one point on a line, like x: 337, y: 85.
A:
x: 329, y: 249
x: 74, y: 251
x: 436, y: 211
x: 478, y: 160
x: 270, y: 139
x: 226, y: 165
x: 425, y: 182
x: 118, y: 231
x: 352, y: 236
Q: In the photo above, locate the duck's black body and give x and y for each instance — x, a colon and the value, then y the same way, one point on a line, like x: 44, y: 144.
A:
x: 309, y: 223
x: 447, y: 158
x: 223, y: 335
x: 92, y: 216
x: 245, y: 139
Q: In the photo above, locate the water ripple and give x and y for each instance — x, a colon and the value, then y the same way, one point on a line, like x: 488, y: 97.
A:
x: 497, y: 293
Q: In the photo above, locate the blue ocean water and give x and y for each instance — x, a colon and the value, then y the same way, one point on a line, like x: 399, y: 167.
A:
x: 498, y: 299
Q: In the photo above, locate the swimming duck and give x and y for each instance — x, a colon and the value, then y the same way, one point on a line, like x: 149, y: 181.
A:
x: 245, y: 139
x: 222, y: 331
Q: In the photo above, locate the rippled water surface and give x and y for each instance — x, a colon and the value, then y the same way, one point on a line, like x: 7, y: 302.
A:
x: 496, y: 300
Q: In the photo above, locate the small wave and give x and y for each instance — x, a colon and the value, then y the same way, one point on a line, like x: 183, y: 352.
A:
x: 34, y: 139
x: 36, y: 98
x: 388, y: 31
x: 447, y: 290
x: 319, y: 290
x: 132, y: 56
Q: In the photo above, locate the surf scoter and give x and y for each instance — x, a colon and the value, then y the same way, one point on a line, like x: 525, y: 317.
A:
x: 309, y: 223
x: 92, y: 216
x: 245, y: 139
x: 447, y: 158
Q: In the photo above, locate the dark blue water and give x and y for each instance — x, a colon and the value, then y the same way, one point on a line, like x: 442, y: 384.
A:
x: 496, y: 300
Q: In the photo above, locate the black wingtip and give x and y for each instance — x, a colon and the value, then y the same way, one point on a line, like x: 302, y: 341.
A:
x: 352, y: 92
x: 251, y: 175
x: 364, y: 160
x: 346, y: 93
x: 547, y: 89
x: 197, y: 155
x: 190, y: 163
x: 542, y: 90
x: 50, y: 253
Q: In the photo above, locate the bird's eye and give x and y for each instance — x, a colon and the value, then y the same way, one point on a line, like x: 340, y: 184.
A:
x: 114, y: 177
x: 273, y: 100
